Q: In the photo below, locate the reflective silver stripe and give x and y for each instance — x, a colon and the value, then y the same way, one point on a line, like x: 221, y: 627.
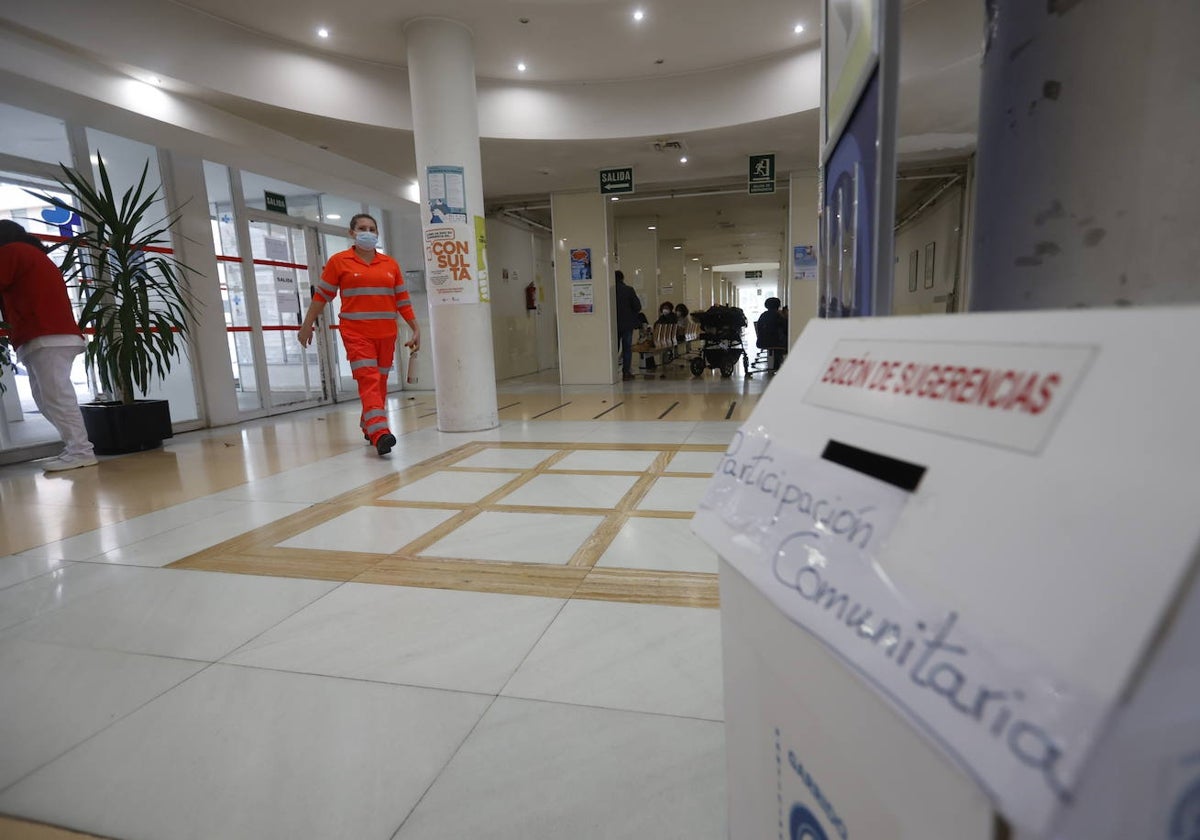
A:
x: 327, y: 287
x: 373, y: 413
x: 376, y: 426
x: 362, y: 363
x: 385, y: 371
x: 367, y: 290
x: 368, y: 316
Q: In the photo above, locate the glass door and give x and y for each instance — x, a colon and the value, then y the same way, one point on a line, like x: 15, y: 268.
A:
x: 286, y: 375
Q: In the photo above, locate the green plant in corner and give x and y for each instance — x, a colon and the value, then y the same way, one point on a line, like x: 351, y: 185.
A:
x: 136, y: 304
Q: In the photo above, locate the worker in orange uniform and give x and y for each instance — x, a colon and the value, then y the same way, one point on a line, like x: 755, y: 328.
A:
x: 372, y: 290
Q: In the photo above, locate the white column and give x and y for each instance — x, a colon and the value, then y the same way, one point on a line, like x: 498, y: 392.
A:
x: 802, y: 299
x: 1087, y: 173
x: 587, y: 339
x: 441, y: 73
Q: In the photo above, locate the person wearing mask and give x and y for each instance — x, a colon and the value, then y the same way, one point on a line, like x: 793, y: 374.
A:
x: 666, y: 313
x: 372, y: 289
x: 46, y: 337
x: 681, y: 318
x: 628, y: 309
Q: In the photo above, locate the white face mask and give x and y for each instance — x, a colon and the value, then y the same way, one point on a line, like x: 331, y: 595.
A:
x: 366, y: 240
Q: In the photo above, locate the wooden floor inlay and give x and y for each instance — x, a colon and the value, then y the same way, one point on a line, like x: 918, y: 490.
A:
x: 259, y: 552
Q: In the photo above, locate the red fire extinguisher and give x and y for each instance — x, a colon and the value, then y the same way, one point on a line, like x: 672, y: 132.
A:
x: 531, y: 295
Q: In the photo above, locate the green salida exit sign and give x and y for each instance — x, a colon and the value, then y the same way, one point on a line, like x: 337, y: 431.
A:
x: 276, y: 202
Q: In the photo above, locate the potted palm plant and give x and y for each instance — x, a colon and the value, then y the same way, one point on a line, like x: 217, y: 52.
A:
x: 136, y: 307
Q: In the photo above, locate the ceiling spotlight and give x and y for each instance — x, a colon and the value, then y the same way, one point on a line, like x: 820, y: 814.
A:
x: 333, y: 217
x: 639, y: 14
x: 521, y: 66
x: 651, y: 227
x: 683, y: 159
x: 695, y: 259
x: 799, y: 28
x: 322, y: 32
x: 616, y: 198
x: 677, y: 247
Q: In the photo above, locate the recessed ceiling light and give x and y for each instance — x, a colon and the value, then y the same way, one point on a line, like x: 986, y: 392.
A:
x: 695, y: 259
x: 799, y: 28
x: 638, y: 14
x: 333, y: 217
x: 677, y: 247
x: 683, y: 159
x: 651, y: 227
x: 322, y: 32
x: 521, y: 66
x: 616, y: 198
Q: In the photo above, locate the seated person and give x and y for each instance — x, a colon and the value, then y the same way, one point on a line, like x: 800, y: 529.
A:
x: 666, y: 313
x: 771, y: 327
x: 681, y: 315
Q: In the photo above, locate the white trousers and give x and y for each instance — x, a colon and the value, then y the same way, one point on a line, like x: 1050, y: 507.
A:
x: 50, y: 380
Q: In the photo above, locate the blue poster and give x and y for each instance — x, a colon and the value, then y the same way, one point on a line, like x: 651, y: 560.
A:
x: 849, y: 212
x: 581, y: 264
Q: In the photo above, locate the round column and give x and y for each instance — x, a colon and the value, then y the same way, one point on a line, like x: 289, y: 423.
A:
x: 1087, y: 169
x: 441, y: 73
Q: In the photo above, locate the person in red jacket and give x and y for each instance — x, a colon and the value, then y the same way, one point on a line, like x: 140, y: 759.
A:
x: 43, y: 331
x: 373, y: 291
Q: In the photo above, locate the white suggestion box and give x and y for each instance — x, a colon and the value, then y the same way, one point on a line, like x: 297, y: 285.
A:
x: 958, y: 581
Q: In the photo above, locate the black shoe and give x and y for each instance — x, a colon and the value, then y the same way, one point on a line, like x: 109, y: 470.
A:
x: 385, y: 443
x: 625, y: 377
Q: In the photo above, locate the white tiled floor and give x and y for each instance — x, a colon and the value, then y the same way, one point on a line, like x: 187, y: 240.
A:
x: 663, y: 544
x: 602, y: 459
x: 545, y: 770
x: 161, y: 703
x: 376, y: 530
x: 581, y: 491
x: 675, y: 493
x: 509, y: 537
x: 467, y: 641
x: 455, y: 486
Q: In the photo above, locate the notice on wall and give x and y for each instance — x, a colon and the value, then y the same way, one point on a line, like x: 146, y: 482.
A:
x: 287, y: 291
x: 450, y: 264
x: 485, y: 289
x: 276, y: 248
x: 445, y: 195
x: 581, y: 265
x: 582, y: 299
x: 806, y: 533
x: 804, y: 262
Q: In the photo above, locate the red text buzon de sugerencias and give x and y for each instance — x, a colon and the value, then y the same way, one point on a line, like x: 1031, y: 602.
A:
x: 994, y: 388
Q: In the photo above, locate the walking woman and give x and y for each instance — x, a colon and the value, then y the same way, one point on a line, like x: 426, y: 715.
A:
x: 373, y: 291
x: 34, y: 302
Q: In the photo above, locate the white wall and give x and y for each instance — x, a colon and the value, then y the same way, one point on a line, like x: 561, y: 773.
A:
x: 636, y: 251
x: 930, y: 243
x: 803, y: 297
x: 511, y: 267
x: 587, y: 341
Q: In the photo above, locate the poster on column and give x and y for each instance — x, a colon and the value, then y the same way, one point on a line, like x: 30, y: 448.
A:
x: 445, y: 195
x: 582, y: 299
x: 450, y: 264
x: 804, y: 262
x: 481, y: 270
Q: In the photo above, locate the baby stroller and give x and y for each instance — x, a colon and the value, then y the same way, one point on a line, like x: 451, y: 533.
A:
x: 721, y: 331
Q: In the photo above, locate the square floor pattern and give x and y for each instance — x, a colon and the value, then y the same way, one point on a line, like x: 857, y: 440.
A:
x: 525, y: 518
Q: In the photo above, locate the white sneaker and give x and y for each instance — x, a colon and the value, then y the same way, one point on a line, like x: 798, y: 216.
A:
x: 69, y: 462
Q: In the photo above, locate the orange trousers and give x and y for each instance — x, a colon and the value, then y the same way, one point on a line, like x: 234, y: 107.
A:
x: 370, y: 364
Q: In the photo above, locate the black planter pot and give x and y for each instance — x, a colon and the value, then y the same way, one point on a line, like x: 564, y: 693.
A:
x: 115, y: 428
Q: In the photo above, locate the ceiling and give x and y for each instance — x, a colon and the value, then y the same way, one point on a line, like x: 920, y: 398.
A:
x: 572, y: 48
